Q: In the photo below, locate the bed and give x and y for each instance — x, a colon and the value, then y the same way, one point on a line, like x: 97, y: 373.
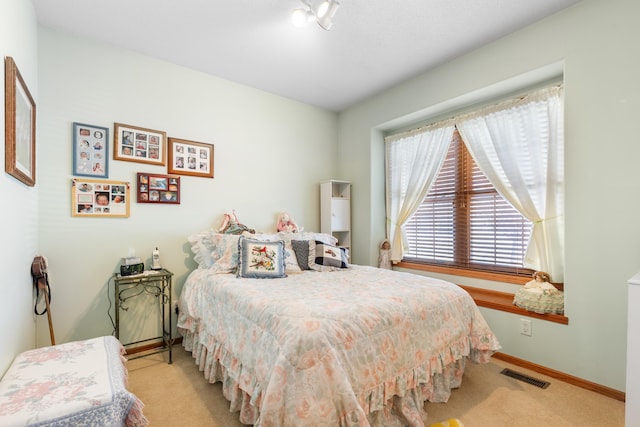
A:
x: 323, y: 342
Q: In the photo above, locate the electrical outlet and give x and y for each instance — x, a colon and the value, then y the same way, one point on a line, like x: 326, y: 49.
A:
x: 525, y: 327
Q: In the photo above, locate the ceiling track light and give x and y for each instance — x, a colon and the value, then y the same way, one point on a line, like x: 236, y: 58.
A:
x: 300, y: 17
x: 326, y: 11
x: 322, y: 13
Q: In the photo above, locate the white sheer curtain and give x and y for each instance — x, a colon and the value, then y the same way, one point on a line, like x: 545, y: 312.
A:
x: 412, y: 162
x: 519, y: 146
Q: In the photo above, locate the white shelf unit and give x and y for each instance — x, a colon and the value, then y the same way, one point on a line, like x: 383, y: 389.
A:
x: 335, y: 211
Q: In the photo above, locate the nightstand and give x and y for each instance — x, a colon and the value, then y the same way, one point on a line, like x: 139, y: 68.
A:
x: 156, y: 283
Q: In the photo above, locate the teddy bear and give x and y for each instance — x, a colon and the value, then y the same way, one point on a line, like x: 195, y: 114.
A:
x: 285, y: 223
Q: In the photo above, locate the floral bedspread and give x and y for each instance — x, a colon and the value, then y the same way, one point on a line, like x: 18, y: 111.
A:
x: 339, y: 348
x: 80, y: 383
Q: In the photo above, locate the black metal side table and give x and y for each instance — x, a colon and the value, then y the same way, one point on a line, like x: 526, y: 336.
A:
x: 156, y: 283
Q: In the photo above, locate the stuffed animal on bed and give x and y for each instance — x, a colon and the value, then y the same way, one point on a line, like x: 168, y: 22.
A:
x: 285, y: 223
x: 231, y: 225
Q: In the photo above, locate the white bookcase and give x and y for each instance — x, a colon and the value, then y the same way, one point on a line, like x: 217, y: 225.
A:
x: 335, y: 211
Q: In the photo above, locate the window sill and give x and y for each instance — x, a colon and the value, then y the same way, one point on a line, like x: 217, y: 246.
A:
x: 503, y: 301
x: 496, y: 300
x: 516, y: 279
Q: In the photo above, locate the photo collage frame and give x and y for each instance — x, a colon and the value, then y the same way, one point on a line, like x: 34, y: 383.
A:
x: 105, y: 198
x: 137, y: 144
x: 100, y: 198
x: 154, y: 188
x: 190, y: 158
x: 90, y: 150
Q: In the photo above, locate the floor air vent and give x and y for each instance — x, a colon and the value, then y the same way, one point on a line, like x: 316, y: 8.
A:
x: 526, y: 378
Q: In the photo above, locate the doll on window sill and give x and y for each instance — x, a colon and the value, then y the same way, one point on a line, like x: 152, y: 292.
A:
x: 540, y: 296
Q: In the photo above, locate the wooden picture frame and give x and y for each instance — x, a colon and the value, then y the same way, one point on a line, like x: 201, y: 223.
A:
x: 190, y: 158
x: 100, y: 198
x: 90, y: 150
x: 155, y: 188
x: 137, y: 144
x: 20, y: 126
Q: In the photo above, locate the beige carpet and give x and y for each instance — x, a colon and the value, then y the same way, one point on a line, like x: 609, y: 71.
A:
x: 178, y: 395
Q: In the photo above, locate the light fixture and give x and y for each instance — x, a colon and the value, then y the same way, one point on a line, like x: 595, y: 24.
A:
x: 326, y: 12
x: 300, y: 17
x: 323, y: 13
x: 322, y: 9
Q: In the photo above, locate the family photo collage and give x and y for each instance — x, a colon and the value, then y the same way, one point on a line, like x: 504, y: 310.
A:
x: 96, y: 195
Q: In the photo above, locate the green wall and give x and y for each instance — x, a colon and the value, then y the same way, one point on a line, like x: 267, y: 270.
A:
x: 270, y: 155
x: 594, y: 45
x: 19, y: 208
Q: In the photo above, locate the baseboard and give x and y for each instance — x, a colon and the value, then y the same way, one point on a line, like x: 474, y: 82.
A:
x: 578, y: 382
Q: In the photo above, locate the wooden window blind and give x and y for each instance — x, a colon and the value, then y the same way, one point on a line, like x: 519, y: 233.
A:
x: 464, y: 222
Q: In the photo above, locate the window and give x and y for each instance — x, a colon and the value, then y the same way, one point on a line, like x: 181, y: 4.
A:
x: 464, y: 222
x: 442, y: 210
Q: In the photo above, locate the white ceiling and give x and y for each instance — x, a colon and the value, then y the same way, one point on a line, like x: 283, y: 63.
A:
x: 373, y: 44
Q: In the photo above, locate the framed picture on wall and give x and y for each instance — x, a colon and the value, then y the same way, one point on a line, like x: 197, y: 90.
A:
x: 90, y: 150
x: 20, y: 126
x: 142, y: 145
x: 190, y: 158
x: 100, y: 198
x: 154, y: 188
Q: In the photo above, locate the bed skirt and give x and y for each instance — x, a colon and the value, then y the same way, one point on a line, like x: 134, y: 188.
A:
x: 397, y: 402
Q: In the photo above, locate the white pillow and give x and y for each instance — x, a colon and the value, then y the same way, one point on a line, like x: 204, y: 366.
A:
x: 215, y: 250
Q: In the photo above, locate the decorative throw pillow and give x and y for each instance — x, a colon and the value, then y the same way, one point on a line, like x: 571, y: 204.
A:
x: 261, y: 259
x: 290, y: 260
x: 291, y: 263
x: 325, y: 257
x: 202, y: 246
x: 301, y: 249
x: 322, y: 237
x: 214, y: 250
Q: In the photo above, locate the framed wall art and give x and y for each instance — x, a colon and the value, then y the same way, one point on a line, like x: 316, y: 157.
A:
x: 153, y: 188
x: 100, y: 198
x: 20, y: 126
x: 90, y: 150
x: 136, y: 144
x: 190, y: 158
